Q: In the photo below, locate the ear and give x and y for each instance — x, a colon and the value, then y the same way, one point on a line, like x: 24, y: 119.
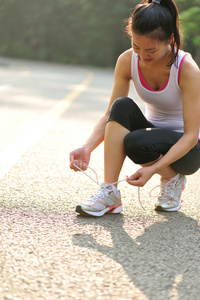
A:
x: 171, y: 40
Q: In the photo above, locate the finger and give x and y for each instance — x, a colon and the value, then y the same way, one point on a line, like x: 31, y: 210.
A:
x: 75, y: 165
x: 136, y: 182
x: 135, y: 176
x: 79, y: 165
x: 71, y: 159
x: 82, y: 165
x: 71, y: 165
x: 84, y: 168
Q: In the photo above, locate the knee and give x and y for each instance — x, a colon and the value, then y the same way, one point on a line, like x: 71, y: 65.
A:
x: 121, y: 104
x: 139, y: 147
x: 133, y: 146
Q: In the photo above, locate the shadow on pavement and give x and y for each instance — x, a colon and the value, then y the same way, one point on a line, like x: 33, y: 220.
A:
x: 164, y: 258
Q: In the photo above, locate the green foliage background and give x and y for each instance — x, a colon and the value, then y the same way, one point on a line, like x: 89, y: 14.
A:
x: 79, y: 31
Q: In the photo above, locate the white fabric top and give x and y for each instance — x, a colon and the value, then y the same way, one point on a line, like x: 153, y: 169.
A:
x: 163, y: 107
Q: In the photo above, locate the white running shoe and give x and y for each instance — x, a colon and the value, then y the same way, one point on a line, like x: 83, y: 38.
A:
x: 106, y: 200
x: 170, y: 198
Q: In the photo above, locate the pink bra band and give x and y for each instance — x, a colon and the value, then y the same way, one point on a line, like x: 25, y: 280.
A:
x: 145, y: 84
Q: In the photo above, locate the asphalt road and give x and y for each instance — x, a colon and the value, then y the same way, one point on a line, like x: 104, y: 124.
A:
x: 49, y: 252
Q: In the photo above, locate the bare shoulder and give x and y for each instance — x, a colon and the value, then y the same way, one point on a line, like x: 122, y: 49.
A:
x: 190, y: 72
x: 123, y: 64
x: 126, y: 55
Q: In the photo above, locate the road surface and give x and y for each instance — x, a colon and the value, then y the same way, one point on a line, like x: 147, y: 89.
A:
x: 49, y: 252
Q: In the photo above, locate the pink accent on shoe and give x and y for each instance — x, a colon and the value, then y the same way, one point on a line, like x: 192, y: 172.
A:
x: 114, y: 209
x: 102, y: 202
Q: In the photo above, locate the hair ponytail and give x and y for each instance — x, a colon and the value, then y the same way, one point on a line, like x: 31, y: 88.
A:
x: 158, y: 21
x: 177, y: 41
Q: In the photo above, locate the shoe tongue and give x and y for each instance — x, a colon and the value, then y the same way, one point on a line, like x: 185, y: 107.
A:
x: 107, y: 185
x: 177, y: 177
x: 110, y: 187
x: 171, y: 179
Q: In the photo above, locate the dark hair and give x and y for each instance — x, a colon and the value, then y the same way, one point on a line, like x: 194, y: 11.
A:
x: 158, y: 21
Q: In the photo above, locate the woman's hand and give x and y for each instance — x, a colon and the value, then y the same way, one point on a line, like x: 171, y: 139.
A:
x: 141, y: 176
x: 81, y: 157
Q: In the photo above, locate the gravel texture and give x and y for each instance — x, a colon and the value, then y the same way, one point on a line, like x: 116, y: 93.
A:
x: 49, y: 252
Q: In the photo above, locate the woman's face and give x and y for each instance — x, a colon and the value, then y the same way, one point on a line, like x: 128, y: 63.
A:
x: 150, y: 50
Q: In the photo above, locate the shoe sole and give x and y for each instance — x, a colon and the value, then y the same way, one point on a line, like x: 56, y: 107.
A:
x: 160, y: 208
x: 108, y: 210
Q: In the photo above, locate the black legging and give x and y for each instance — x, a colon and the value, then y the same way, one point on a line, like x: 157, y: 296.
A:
x: 145, y: 143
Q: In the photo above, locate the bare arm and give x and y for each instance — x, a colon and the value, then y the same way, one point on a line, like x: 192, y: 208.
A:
x: 121, y: 88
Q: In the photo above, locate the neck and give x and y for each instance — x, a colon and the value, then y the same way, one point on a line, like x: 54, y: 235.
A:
x: 165, y: 61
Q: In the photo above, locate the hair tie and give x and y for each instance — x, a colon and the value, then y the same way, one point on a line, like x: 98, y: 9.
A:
x: 156, y: 1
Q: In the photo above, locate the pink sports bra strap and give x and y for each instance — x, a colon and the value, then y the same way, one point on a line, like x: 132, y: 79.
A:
x: 179, y: 70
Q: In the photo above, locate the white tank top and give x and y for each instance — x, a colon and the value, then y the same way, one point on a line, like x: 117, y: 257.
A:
x: 163, y: 107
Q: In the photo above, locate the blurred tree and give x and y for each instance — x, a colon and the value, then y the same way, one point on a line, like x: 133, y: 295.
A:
x: 185, y: 4
x: 190, y: 22
x: 77, y: 31
x: 81, y: 31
